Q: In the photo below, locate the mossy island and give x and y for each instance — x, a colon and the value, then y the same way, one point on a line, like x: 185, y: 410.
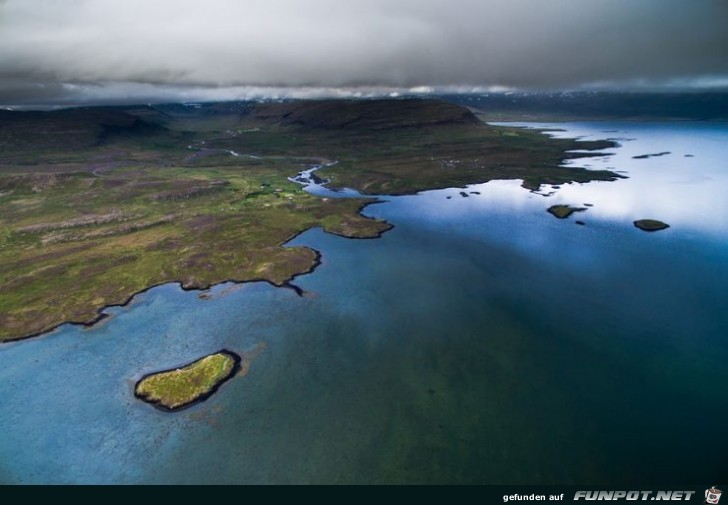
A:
x: 563, y: 211
x: 173, y: 390
x: 650, y: 225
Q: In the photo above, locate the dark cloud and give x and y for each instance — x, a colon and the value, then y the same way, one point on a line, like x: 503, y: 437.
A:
x: 105, y: 46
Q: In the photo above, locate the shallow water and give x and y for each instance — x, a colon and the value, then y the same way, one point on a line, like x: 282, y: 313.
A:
x: 481, y: 340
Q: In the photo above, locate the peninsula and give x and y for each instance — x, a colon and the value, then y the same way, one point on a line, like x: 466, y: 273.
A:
x: 100, y: 203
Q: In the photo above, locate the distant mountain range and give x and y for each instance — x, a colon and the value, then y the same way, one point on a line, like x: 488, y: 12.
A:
x: 596, y: 105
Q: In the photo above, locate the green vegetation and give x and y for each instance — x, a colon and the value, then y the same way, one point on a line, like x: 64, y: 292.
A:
x: 650, y: 225
x: 404, y: 146
x: 97, y: 204
x: 74, y: 243
x: 564, y: 211
x: 175, y: 389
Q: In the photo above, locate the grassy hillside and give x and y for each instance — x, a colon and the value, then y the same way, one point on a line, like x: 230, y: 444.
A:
x: 97, y: 204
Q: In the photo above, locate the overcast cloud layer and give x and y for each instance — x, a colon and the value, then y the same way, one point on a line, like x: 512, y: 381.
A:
x: 61, y: 50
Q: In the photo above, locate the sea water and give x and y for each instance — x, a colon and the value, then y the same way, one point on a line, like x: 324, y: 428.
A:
x: 482, y: 340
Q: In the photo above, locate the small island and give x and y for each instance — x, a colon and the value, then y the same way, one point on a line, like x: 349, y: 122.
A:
x: 563, y: 211
x: 653, y: 155
x: 650, y: 225
x: 172, y: 390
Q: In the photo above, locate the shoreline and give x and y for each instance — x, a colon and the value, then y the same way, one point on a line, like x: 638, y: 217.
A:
x: 288, y: 283
x: 568, y: 155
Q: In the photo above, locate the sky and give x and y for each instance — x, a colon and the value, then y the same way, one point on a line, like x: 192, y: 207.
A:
x: 97, y: 51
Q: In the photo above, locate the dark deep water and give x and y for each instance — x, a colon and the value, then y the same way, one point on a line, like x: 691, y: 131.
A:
x: 482, y: 340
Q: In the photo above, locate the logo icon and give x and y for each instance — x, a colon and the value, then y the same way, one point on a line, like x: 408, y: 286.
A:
x: 712, y: 496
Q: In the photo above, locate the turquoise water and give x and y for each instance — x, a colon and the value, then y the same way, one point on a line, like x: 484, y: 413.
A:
x: 481, y: 340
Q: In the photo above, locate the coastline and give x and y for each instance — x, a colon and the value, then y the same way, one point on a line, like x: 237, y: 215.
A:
x: 100, y: 314
x: 288, y: 283
x: 103, y: 281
